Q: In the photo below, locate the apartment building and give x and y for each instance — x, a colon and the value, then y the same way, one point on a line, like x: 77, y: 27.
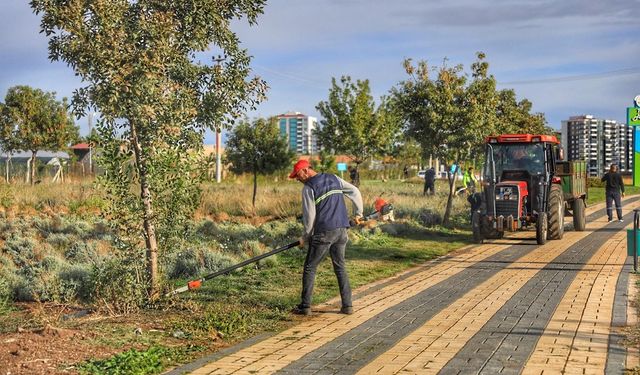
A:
x: 299, y: 129
x: 599, y: 142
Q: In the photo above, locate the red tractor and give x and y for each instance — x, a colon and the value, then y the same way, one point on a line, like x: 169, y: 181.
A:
x: 526, y: 184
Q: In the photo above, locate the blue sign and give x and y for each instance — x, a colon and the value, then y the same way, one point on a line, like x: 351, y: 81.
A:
x: 342, y: 167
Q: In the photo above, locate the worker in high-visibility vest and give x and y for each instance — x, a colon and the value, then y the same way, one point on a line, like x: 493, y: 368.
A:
x: 469, y: 180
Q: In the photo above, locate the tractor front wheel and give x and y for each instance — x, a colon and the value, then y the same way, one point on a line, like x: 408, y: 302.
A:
x: 556, y: 213
x: 542, y: 228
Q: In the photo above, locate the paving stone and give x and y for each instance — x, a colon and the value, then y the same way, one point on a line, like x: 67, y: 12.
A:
x: 555, y: 274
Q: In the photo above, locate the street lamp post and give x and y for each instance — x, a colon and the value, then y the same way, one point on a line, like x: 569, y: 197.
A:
x: 218, y: 60
x: 218, y: 158
x: 90, y: 148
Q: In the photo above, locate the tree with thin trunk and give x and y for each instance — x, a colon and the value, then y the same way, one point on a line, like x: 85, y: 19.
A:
x: 432, y: 109
x: 147, y: 72
x: 352, y: 124
x: 450, y: 116
x: 258, y: 148
x: 33, y: 120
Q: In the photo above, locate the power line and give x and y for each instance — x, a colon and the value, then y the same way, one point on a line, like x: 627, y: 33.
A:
x: 312, y: 83
x: 581, y: 77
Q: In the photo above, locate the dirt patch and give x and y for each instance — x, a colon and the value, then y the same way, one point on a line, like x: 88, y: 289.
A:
x: 40, y: 338
x: 48, y: 350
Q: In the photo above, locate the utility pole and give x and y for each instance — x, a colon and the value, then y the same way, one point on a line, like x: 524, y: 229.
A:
x: 218, y: 60
x: 90, y: 126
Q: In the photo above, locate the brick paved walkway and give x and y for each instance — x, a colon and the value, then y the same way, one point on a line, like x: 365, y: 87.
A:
x: 508, y: 306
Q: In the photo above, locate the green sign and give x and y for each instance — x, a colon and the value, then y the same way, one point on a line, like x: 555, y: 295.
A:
x: 633, y: 116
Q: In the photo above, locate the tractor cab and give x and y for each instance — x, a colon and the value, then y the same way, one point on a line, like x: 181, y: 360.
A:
x: 522, y: 187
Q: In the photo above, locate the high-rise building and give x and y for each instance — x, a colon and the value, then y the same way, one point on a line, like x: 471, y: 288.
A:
x: 599, y: 142
x: 300, y: 132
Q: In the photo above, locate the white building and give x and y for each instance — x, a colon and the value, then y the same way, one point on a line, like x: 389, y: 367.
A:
x: 599, y: 142
x: 300, y: 132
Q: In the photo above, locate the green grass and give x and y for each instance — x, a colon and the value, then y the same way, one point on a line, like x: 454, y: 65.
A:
x: 138, y: 362
x: 596, y: 194
x: 259, y: 298
x: 253, y: 299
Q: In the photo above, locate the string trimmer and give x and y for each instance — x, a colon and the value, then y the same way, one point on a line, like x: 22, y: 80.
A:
x: 195, y: 284
x: 382, y: 208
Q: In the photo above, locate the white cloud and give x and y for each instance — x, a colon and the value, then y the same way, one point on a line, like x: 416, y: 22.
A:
x: 299, y: 45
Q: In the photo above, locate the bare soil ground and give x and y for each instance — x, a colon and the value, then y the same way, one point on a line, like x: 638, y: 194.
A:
x: 53, y: 339
x: 48, y: 350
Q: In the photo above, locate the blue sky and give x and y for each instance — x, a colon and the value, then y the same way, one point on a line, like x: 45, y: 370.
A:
x: 568, y: 57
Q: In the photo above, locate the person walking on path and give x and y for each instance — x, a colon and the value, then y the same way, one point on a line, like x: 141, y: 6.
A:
x: 325, y: 219
x: 469, y: 181
x: 614, y: 187
x: 429, y: 182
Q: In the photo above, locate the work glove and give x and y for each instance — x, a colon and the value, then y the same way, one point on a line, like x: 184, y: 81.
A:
x: 358, y: 219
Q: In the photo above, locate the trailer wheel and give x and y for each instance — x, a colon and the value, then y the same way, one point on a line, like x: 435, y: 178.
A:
x: 556, y: 213
x: 542, y: 228
x: 579, y: 220
x: 476, y: 227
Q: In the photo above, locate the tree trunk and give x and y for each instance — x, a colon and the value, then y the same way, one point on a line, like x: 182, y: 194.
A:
x: 451, y: 177
x: 255, y: 188
x: 149, y: 227
x: 8, y: 165
x: 33, y: 167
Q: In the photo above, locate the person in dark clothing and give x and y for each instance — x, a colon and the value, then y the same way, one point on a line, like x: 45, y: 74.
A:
x: 614, y: 187
x: 429, y: 182
x: 325, y: 219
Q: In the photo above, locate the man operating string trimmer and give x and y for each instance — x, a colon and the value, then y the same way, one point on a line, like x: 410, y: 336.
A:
x: 325, y: 221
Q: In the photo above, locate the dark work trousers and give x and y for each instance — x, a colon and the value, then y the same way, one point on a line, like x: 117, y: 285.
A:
x: 332, y: 242
x: 613, y: 196
x: 429, y: 188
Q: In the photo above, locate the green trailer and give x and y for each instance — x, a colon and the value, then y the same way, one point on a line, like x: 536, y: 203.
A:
x: 574, y: 182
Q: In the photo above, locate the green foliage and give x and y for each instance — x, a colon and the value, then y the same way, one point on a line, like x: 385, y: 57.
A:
x: 38, y: 280
x: 21, y: 250
x: 136, y: 362
x: 5, y: 294
x: 32, y: 120
x: 595, y: 182
x: 259, y: 149
x: 325, y: 163
x: 81, y: 252
x: 119, y: 284
x: 450, y: 115
x: 351, y: 123
x: 156, y: 99
x: 218, y: 322
x: 75, y: 283
x: 196, y: 261
x: 7, y: 197
x: 59, y: 241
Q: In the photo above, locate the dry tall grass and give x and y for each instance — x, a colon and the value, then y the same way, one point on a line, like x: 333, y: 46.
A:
x: 277, y: 198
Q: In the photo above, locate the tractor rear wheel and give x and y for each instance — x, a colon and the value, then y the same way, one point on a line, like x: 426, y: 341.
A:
x: 556, y: 213
x: 476, y: 227
x: 542, y: 228
x: 579, y: 220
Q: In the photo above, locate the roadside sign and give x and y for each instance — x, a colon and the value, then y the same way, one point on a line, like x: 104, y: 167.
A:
x: 633, y: 116
x: 342, y: 167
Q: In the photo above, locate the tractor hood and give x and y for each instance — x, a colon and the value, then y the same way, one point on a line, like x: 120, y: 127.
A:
x: 504, y: 188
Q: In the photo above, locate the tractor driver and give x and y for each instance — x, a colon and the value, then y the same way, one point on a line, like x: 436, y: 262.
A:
x: 519, y: 158
x: 524, y: 158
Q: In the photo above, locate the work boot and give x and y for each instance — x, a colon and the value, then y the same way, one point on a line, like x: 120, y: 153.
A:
x: 347, y: 310
x: 301, y: 310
